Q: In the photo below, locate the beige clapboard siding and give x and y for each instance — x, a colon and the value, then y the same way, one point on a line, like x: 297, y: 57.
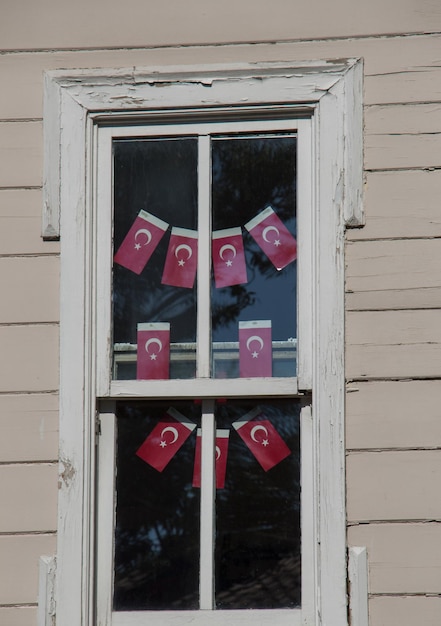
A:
x: 393, y: 485
x: 388, y: 64
x: 18, y: 616
x: 402, y: 151
x: 28, y: 493
x: 389, y: 344
x: 29, y: 358
x: 21, y: 154
x: 20, y: 223
x: 404, y: 611
x: 396, y: 119
x: 29, y: 427
x: 19, y: 560
x: 395, y: 274
x: 136, y: 23
x: 403, y: 558
x: 393, y: 414
x: 30, y: 289
x: 401, y: 204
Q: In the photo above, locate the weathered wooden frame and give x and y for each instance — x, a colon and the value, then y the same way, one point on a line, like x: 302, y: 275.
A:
x: 76, y: 102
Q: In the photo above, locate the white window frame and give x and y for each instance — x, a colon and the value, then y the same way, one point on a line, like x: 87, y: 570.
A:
x: 76, y: 103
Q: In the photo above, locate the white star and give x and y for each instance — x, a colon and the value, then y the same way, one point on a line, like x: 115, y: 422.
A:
x: 277, y: 242
x: 229, y: 263
x: 153, y: 356
x: 255, y: 355
x: 265, y: 442
x: 163, y: 444
x: 137, y: 246
x: 181, y: 263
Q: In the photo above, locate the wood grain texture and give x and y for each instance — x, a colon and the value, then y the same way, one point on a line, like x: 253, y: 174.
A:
x: 174, y: 22
x: 28, y: 493
x: 393, y: 485
x: 21, y: 154
x: 403, y: 558
x: 29, y: 358
x: 393, y: 344
x: 404, y: 611
x: 399, y: 274
x: 384, y: 152
x: 401, y: 204
x: 29, y: 427
x: 18, y: 615
x: 19, y: 566
x: 31, y: 289
x: 393, y: 414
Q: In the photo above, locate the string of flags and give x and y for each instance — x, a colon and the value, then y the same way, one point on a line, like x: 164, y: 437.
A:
x: 228, y: 254
x: 173, y: 430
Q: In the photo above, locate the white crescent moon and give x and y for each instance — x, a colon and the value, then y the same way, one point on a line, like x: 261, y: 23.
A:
x: 145, y: 232
x: 183, y: 246
x: 254, y: 431
x: 225, y: 247
x: 267, y: 230
x: 153, y: 340
x: 218, y: 453
x: 254, y: 338
x: 170, y: 429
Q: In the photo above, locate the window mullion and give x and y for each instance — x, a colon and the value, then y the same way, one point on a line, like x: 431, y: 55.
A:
x: 204, y: 258
x: 208, y: 494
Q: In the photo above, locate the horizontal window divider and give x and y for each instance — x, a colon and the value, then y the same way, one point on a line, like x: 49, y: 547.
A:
x: 269, y: 617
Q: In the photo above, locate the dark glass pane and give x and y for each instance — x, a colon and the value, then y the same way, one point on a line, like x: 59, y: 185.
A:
x: 158, y: 176
x: 157, y: 513
x: 249, y: 174
x: 258, y: 559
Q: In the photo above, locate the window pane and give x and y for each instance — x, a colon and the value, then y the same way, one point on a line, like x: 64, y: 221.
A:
x: 254, y: 193
x: 159, y: 177
x: 157, y: 511
x: 258, y: 559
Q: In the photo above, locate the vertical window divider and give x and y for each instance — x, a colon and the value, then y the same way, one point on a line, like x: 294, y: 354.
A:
x: 208, y: 495
x: 204, y: 259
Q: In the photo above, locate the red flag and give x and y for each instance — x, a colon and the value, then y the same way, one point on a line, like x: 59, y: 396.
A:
x: 166, y: 439
x: 229, y: 257
x: 255, y: 349
x: 153, y: 358
x: 182, y: 258
x: 262, y: 439
x: 140, y: 242
x: 222, y: 436
x: 271, y: 234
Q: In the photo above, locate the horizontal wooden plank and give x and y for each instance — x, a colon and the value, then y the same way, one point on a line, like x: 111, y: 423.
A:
x: 19, y: 563
x: 29, y: 427
x: 393, y: 414
x: 21, y: 154
x: 29, y: 358
x: 401, y: 204
x: 388, y: 62
x: 402, y: 151
x: 395, y: 274
x: 18, y: 615
x: 402, y: 118
x: 393, y: 485
x: 404, y: 611
x: 20, y: 223
x: 28, y: 493
x: 30, y: 289
x: 393, y: 344
x: 403, y: 558
x: 174, y: 22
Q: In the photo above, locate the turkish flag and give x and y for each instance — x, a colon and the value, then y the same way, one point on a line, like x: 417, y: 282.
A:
x: 140, y: 242
x: 228, y: 257
x: 153, y: 358
x: 222, y: 436
x: 271, y: 234
x: 166, y: 439
x: 255, y: 349
x: 262, y: 439
x: 182, y: 258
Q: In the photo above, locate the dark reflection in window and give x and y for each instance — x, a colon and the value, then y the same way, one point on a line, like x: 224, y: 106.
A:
x: 257, y: 555
x: 157, y: 516
x: 248, y: 174
x: 160, y: 177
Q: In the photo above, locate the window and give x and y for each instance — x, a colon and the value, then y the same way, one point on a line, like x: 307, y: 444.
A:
x: 161, y: 196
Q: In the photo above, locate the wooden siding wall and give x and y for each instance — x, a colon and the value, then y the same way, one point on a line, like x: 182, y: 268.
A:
x: 393, y: 264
